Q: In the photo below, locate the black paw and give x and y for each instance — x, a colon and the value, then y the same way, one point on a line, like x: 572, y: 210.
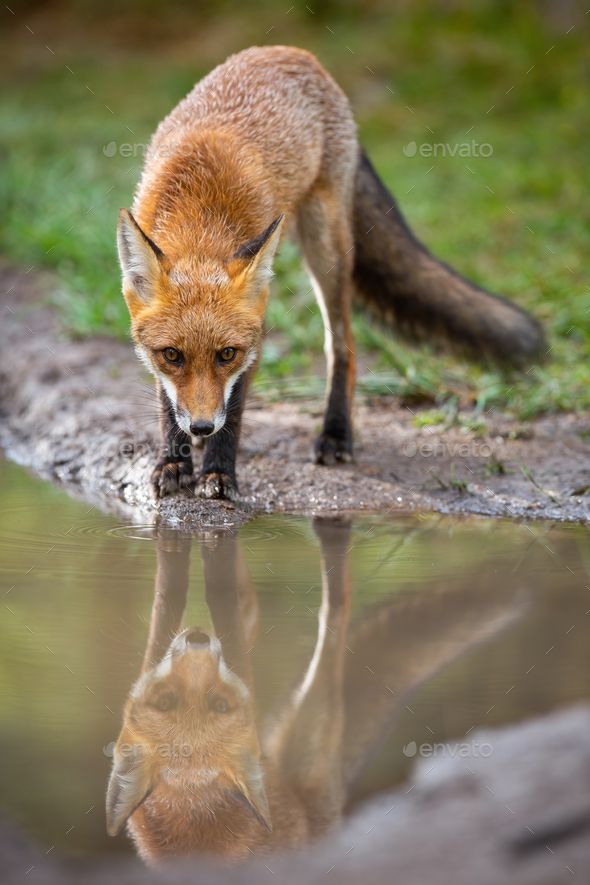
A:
x: 332, y: 450
x: 218, y: 486
x: 170, y: 477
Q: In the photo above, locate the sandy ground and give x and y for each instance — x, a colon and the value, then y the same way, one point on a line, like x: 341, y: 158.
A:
x: 84, y: 413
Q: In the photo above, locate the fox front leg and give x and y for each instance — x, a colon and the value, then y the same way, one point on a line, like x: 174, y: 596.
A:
x: 217, y: 478
x: 174, y: 470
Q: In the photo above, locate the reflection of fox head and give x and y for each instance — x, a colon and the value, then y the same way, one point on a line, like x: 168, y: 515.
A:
x: 188, y: 740
x: 196, y: 323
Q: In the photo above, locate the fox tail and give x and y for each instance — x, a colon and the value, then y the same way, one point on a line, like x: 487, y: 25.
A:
x: 398, y: 280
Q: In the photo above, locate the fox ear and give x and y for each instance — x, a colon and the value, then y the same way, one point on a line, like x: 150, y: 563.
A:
x: 249, y: 789
x: 252, y: 263
x: 140, y: 258
x: 129, y: 785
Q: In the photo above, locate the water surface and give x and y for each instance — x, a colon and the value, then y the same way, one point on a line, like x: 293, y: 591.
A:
x: 453, y: 625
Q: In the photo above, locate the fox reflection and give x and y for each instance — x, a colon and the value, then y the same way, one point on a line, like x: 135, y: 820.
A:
x: 189, y: 755
x: 192, y: 773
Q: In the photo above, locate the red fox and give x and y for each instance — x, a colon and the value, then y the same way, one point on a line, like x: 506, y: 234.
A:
x: 193, y: 771
x: 265, y: 140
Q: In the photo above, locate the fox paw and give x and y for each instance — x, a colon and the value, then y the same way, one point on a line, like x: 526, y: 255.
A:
x: 217, y: 485
x: 170, y: 477
x: 332, y: 450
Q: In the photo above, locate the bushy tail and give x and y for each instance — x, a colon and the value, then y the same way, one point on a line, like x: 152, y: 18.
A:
x: 400, y: 282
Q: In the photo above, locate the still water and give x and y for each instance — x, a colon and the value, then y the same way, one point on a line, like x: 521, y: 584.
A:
x: 360, y: 645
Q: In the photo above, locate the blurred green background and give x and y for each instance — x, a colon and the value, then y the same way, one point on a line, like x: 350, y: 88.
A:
x: 86, y: 83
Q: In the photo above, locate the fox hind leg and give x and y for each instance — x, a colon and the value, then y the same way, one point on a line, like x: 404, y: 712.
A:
x: 325, y: 234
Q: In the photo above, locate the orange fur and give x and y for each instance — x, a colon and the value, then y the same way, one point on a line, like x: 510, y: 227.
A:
x: 266, y: 135
x: 207, y: 787
x: 269, y: 134
x: 191, y: 777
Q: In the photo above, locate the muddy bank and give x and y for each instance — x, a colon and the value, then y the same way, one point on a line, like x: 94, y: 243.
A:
x: 517, y: 813
x: 84, y: 413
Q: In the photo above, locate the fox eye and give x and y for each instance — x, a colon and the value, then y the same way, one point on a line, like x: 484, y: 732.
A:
x: 219, y: 704
x: 227, y: 354
x: 171, y: 355
x: 164, y: 702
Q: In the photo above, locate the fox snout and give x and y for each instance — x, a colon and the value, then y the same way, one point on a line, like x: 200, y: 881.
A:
x: 198, y: 421
x: 193, y: 646
x: 202, y: 428
x: 196, y: 636
x: 194, y: 639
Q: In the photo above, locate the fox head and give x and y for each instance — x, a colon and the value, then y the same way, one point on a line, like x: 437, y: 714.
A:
x: 188, y: 731
x: 197, y: 324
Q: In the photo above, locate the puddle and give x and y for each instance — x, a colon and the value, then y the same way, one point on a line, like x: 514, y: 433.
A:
x: 356, y: 646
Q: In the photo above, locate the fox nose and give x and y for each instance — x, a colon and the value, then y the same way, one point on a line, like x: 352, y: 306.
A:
x: 197, y: 638
x: 202, y: 428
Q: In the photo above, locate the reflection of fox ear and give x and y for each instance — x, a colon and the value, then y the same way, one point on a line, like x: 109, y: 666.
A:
x: 249, y: 788
x: 252, y: 263
x: 129, y: 785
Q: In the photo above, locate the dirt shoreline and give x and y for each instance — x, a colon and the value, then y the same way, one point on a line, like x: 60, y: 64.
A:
x: 83, y: 413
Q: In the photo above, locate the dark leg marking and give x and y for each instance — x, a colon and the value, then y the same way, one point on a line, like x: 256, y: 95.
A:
x: 217, y: 478
x: 174, y: 470
x: 335, y: 441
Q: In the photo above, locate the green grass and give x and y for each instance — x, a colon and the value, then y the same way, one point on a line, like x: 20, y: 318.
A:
x: 517, y: 220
